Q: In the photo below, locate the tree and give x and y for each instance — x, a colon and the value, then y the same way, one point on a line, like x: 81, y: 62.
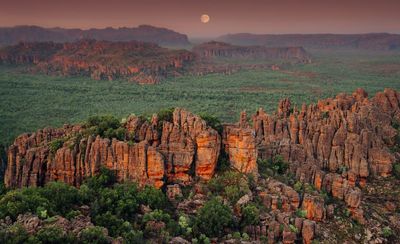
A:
x: 52, y: 235
x: 213, y: 217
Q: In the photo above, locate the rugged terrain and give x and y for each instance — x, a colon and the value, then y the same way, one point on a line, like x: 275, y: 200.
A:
x: 319, y: 172
x: 374, y: 41
x: 145, y: 33
x: 140, y: 62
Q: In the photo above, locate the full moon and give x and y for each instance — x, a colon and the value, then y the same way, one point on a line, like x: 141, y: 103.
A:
x: 205, y: 18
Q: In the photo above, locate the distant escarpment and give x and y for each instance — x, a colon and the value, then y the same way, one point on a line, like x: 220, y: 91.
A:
x: 146, y: 33
x: 142, y: 62
x: 310, y: 168
x: 145, y: 63
x: 374, y: 41
x: 224, y: 50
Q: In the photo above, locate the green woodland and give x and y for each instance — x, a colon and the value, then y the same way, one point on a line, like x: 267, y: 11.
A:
x: 32, y: 101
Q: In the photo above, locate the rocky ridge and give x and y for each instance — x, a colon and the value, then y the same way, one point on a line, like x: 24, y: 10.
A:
x: 146, y: 33
x: 334, y: 149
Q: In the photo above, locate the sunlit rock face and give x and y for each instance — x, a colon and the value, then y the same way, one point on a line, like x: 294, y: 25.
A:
x: 182, y: 149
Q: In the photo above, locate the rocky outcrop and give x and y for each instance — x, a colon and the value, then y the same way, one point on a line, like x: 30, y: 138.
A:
x: 146, y: 33
x: 186, y: 147
x: 135, y: 61
x: 240, y: 145
x: 346, y: 134
x: 224, y: 50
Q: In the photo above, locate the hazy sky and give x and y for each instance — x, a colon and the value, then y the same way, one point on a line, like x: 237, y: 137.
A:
x: 227, y: 16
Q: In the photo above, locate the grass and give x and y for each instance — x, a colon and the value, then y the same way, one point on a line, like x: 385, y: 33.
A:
x: 29, y: 102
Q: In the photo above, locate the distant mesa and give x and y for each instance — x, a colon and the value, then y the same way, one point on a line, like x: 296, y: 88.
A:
x: 146, y: 33
x: 373, y: 41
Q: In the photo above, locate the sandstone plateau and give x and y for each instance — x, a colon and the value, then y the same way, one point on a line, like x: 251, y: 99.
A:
x: 140, y: 62
x: 337, y: 147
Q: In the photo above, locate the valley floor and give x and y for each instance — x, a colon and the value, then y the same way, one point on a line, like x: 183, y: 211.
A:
x: 29, y: 102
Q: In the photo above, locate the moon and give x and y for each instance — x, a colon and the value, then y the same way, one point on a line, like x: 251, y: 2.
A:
x: 205, y: 18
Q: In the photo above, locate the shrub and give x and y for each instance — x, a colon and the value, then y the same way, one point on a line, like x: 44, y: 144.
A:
x: 106, y: 126
x: 387, y: 232
x: 250, y: 215
x: 52, y: 235
x: 279, y: 165
x: 152, y: 197
x: 13, y: 234
x: 105, y: 178
x: 213, y: 217
x: 231, y: 184
x: 112, y: 223
x: 212, y: 121
x: 22, y: 201
x: 301, y: 213
x: 120, y: 201
x: 61, y: 196
x: 56, y: 144
x: 93, y: 235
x: 396, y: 170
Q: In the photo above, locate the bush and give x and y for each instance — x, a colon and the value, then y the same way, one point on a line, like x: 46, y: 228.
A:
x: 213, y: 217
x: 112, y: 223
x: 56, y: 144
x: 387, y: 232
x: 273, y: 167
x: 22, y: 201
x: 52, y: 235
x: 152, y: 197
x: 105, y: 126
x: 61, y: 196
x: 250, y: 215
x: 301, y: 213
x: 212, y: 121
x: 231, y: 184
x: 105, y: 178
x: 396, y: 170
x: 120, y: 201
x: 93, y: 235
x: 14, y: 234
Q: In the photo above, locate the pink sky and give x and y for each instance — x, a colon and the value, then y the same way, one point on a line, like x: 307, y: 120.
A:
x: 227, y: 16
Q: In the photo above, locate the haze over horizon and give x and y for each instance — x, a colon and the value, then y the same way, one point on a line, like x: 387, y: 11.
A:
x: 227, y: 16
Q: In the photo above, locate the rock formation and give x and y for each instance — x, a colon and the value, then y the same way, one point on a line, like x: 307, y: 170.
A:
x: 186, y: 147
x: 135, y: 61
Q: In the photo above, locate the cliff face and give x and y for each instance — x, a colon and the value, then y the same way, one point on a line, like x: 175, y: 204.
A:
x: 374, y: 41
x: 146, y: 33
x: 220, y: 49
x: 334, y: 145
x: 136, y: 61
x: 186, y: 148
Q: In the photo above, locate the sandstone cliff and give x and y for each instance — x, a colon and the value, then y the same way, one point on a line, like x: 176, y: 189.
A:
x: 101, y: 60
x: 185, y: 148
